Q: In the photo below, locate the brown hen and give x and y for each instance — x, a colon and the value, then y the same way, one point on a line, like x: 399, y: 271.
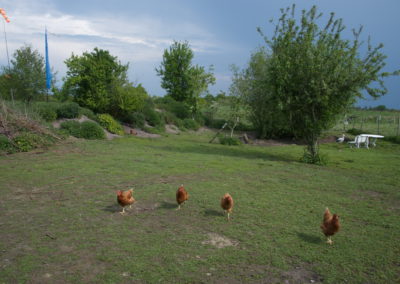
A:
x: 181, y: 196
x: 227, y: 203
x: 330, y: 225
x: 125, y: 198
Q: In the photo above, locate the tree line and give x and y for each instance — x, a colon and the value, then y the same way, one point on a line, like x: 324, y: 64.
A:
x: 304, y: 77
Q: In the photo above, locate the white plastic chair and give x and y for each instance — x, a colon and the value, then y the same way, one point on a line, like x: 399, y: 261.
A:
x: 358, y: 140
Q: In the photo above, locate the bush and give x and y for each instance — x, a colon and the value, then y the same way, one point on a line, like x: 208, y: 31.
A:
x: 192, y: 124
x: 91, y: 130
x: 27, y: 141
x: 5, y: 145
x: 393, y: 139
x: 135, y: 118
x: 87, y: 112
x: 231, y: 141
x: 48, y: 112
x: 68, y: 110
x: 86, y: 129
x: 109, y: 123
x: 320, y: 159
x: 153, y: 117
x: 354, y: 131
x: 179, y: 109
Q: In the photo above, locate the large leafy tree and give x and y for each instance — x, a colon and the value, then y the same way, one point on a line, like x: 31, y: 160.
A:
x: 97, y: 80
x: 252, y: 87
x: 182, y: 80
x: 26, y: 78
x: 315, y: 74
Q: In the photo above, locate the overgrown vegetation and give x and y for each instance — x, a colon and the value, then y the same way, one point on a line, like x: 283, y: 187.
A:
x: 86, y: 129
x: 20, y: 130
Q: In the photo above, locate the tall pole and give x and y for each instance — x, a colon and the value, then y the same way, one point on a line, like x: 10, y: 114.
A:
x: 8, y: 56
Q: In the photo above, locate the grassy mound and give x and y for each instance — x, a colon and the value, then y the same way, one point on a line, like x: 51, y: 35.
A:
x: 21, y: 130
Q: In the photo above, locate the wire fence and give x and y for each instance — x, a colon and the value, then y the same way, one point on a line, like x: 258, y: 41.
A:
x: 386, y: 124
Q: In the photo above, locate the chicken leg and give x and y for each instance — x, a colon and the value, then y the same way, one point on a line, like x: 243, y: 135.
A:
x: 329, y: 241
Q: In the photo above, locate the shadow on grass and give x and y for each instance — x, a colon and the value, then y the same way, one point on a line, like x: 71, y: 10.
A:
x: 213, y: 212
x: 234, y: 151
x: 309, y: 238
x: 112, y: 208
x: 168, y: 205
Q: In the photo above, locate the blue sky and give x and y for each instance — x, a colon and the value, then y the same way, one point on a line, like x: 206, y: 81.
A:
x: 220, y: 32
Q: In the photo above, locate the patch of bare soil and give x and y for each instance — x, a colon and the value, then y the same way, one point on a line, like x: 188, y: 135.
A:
x: 219, y: 241
x: 172, y: 129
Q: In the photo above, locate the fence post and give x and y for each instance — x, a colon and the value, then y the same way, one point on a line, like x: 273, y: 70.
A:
x: 398, y: 126
x: 362, y: 123
x: 379, y: 120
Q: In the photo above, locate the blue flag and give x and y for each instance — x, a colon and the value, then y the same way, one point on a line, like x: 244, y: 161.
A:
x: 48, y: 71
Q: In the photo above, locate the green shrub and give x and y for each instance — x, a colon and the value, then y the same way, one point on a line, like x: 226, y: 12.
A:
x: 109, y: 123
x: 320, y: 159
x: 135, y: 118
x: 86, y: 129
x: 192, y: 124
x: 72, y: 127
x: 47, y: 111
x: 5, y: 145
x: 153, y: 117
x: 393, y: 139
x: 68, y: 110
x: 91, y: 130
x: 87, y: 112
x: 179, y: 109
x: 354, y: 131
x: 231, y: 141
x: 28, y: 141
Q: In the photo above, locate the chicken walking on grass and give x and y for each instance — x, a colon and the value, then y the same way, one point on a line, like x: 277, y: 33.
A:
x: 125, y: 198
x: 227, y: 203
x: 181, y: 196
x: 330, y: 225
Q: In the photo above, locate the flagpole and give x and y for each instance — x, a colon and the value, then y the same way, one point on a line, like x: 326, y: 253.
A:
x: 8, y: 57
x: 48, y: 70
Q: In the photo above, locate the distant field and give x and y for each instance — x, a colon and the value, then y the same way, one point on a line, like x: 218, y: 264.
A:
x: 60, y: 222
x: 376, y: 122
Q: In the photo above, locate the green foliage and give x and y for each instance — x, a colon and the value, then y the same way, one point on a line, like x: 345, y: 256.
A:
x: 98, y: 81
x: 127, y: 100
x: 109, y: 123
x: 153, y: 117
x: 183, y: 81
x: 26, y: 79
x: 191, y: 124
x: 251, y: 86
x: 136, y: 119
x: 86, y: 129
x: 178, y: 108
x: 355, y: 131
x: 48, y: 111
x: 393, y: 139
x: 68, y: 110
x: 318, y: 159
x: 91, y: 130
x: 28, y: 141
x: 87, y: 112
x: 230, y: 141
x: 5, y: 145
x: 313, y: 75
x: 71, y: 126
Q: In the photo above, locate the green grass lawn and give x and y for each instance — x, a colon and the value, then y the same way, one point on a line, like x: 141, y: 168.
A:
x: 59, y: 217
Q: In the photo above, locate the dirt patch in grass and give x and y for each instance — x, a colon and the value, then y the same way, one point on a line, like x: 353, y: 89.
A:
x: 255, y: 273
x: 219, y: 241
